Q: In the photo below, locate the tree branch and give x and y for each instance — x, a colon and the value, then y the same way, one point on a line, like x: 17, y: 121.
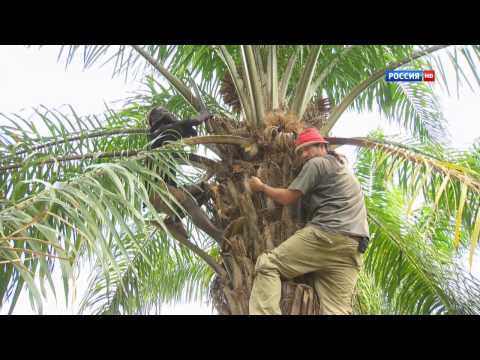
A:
x: 202, y: 254
x: 199, y: 140
x: 238, y: 82
x: 99, y: 155
x: 176, y: 83
x: 199, y: 161
x: 202, y: 162
x: 413, y: 155
x: 326, y: 71
x: 256, y: 85
x: 301, y: 92
x: 217, y: 139
x: 87, y: 136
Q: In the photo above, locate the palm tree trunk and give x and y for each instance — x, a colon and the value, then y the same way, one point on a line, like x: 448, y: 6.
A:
x: 253, y: 223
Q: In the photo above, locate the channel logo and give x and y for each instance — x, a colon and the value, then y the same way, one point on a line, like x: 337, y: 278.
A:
x: 409, y: 75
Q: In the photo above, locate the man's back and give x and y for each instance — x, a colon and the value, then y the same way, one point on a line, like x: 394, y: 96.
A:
x: 333, y: 198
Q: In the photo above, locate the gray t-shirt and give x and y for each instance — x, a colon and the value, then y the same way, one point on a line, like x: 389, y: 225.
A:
x: 332, y: 196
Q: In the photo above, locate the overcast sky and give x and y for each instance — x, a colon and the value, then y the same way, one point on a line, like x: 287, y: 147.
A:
x: 30, y: 77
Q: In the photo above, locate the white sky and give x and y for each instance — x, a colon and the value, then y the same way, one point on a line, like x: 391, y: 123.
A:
x: 30, y: 77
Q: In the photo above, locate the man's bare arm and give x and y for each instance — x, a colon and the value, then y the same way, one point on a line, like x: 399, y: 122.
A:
x: 282, y: 196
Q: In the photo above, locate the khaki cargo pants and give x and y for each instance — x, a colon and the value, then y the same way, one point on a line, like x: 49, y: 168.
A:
x: 332, y: 258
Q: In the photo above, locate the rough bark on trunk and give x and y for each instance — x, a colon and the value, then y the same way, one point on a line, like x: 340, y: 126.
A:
x: 254, y: 224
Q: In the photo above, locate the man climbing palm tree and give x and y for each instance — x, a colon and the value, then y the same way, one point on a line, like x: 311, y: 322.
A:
x: 163, y: 127
x: 333, y: 240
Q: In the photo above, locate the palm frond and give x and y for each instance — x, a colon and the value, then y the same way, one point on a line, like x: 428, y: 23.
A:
x: 359, y: 92
x: 254, y: 81
x: 327, y: 70
x: 46, y: 155
x: 447, y: 181
x: 345, y: 97
x: 272, y: 75
x: 411, y: 260
x: 349, y: 73
x: 414, y: 106
x: 299, y: 101
x: 54, y: 131
x: 87, y: 213
x: 126, y: 60
x: 421, y: 278
x: 285, y: 80
x: 179, y: 85
x: 369, y: 298
x: 170, y: 274
x: 52, y: 145
x: 419, y: 109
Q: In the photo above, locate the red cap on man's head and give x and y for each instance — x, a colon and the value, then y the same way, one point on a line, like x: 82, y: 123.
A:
x: 309, y: 136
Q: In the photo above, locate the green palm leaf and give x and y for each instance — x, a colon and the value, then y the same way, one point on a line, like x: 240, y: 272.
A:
x: 411, y: 258
x: 85, y: 213
x: 433, y: 175
x: 169, y: 275
x: 75, y: 187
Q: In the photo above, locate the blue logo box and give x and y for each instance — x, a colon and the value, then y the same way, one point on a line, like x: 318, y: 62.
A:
x: 403, y: 75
